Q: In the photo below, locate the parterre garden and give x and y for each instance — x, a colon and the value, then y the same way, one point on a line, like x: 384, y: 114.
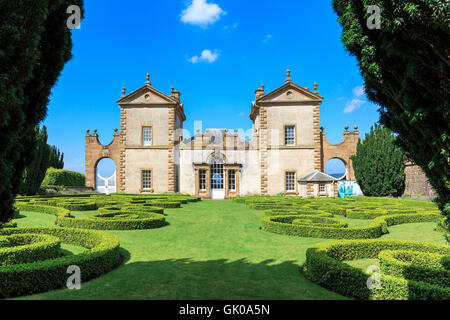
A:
x: 31, y: 259
x: 177, y: 247
x: 409, y: 269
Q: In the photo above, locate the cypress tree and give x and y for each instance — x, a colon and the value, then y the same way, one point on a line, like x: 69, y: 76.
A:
x: 406, y: 66
x: 34, y: 173
x: 379, y: 164
x: 56, y: 158
x: 35, y: 43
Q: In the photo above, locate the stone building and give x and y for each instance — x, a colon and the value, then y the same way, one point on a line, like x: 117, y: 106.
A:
x: 416, y: 182
x: 152, y: 155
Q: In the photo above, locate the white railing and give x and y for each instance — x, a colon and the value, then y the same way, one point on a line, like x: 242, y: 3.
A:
x: 106, y: 185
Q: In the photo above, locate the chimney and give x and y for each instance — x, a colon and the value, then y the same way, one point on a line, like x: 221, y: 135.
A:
x: 259, y: 92
x: 175, y: 94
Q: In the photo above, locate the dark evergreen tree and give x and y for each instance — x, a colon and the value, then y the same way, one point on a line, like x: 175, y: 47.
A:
x: 34, y: 173
x: 405, y: 64
x: 379, y: 164
x: 56, y: 158
x: 35, y: 43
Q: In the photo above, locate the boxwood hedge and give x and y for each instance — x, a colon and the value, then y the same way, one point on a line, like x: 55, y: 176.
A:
x: 282, y: 224
x: 42, y: 275
x: 325, y: 265
x: 26, y: 248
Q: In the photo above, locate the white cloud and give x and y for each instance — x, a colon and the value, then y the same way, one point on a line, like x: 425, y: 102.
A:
x: 231, y: 27
x: 206, y: 56
x: 356, y: 102
x: 201, y: 13
x: 267, y: 38
x: 358, y: 91
x: 353, y: 105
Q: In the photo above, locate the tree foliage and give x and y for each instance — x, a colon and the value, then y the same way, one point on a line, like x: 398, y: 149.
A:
x: 405, y: 65
x: 35, y: 43
x: 34, y: 173
x: 379, y: 164
x: 56, y: 158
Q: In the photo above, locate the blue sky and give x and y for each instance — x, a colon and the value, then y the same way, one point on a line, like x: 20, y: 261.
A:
x: 215, y: 52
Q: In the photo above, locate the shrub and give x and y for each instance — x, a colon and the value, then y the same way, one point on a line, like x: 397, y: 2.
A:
x: 27, y: 278
x: 283, y: 224
x: 123, y: 221
x: 27, y: 248
x: 325, y: 266
x: 59, y: 177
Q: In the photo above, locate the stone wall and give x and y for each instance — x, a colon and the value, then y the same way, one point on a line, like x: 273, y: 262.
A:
x: 416, y: 182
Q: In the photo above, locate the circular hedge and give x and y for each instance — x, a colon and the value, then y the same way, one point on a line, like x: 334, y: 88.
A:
x: 34, y: 264
x: 282, y: 214
x: 283, y: 224
x: 115, y: 212
x: 408, y: 269
x: 122, y: 220
x: 26, y: 248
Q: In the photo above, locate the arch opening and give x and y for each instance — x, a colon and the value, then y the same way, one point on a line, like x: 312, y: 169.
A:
x: 105, y: 176
x: 336, y: 168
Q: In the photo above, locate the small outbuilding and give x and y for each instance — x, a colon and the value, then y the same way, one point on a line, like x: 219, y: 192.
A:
x: 317, y: 185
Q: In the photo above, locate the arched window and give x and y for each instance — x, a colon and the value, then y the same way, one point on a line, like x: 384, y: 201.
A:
x: 336, y: 168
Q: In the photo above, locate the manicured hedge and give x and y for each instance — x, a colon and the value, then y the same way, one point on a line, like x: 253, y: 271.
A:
x: 60, y: 177
x: 124, y: 221
x: 27, y: 278
x: 164, y: 203
x: 116, y: 212
x: 325, y: 266
x: 296, y: 211
x: 59, y: 212
x: 282, y: 224
x: 26, y: 248
x: 78, y: 205
x: 417, y: 266
x: 9, y: 224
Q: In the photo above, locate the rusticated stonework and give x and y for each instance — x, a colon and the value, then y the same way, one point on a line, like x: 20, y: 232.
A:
x: 416, y: 182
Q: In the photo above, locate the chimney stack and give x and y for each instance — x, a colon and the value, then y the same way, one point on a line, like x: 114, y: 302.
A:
x: 259, y: 92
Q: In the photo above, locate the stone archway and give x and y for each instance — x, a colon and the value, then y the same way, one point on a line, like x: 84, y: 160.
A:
x: 105, y: 183
x: 95, y: 151
x: 343, y: 174
x: 342, y: 151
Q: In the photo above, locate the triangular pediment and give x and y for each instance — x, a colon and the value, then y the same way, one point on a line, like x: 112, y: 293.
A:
x: 146, y: 95
x: 290, y: 93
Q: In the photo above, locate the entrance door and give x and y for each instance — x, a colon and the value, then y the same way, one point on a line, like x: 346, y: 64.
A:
x: 217, y: 181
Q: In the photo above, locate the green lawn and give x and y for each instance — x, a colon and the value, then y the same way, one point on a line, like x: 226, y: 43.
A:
x: 210, y: 250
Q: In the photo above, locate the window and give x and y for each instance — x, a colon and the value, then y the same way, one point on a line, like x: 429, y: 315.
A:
x: 231, y: 179
x: 146, y: 179
x: 202, y: 179
x: 322, y: 188
x: 146, y: 136
x: 289, y: 135
x: 290, y: 182
x: 216, y: 176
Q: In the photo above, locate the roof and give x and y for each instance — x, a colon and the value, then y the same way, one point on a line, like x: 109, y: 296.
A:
x: 307, y: 97
x: 317, y: 176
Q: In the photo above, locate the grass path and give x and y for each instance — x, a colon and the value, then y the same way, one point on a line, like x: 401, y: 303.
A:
x: 210, y: 250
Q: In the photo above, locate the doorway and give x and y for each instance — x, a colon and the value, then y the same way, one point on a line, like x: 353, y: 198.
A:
x: 217, y: 181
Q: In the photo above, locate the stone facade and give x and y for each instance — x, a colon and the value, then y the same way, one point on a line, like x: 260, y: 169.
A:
x: 416, y: 182
x: 286, y: 143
